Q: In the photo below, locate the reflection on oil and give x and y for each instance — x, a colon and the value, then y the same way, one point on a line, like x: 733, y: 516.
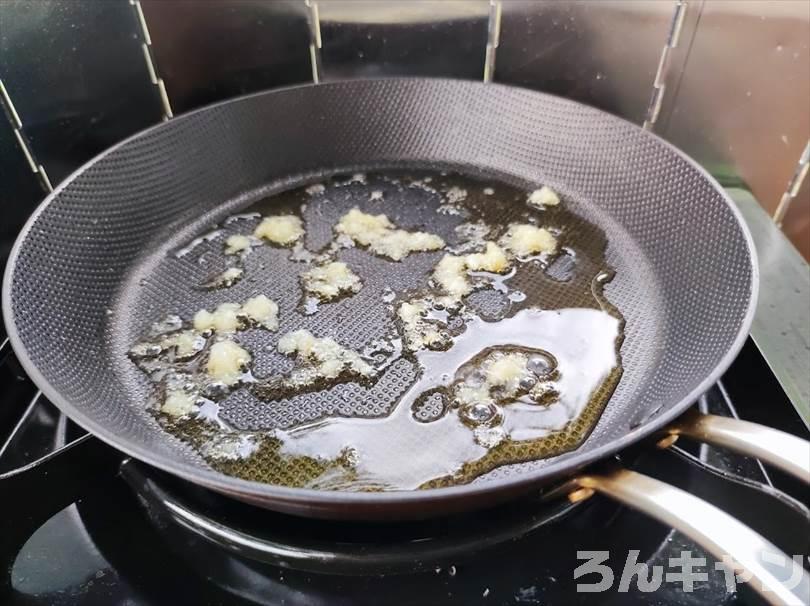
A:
x: 400, y: 452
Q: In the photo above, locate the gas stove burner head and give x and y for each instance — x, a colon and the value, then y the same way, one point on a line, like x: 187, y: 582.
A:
x: 326, y: 546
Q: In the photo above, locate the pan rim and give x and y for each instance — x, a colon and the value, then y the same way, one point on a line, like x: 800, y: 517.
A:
x: 311, y: 498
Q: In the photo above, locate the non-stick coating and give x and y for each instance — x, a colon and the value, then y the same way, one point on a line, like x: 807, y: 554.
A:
x: 686, y: 277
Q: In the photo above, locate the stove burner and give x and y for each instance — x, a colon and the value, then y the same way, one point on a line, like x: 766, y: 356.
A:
x: 327, y: 546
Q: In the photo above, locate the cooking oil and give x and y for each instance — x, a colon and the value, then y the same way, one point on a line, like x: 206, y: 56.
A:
x: 464, y: 413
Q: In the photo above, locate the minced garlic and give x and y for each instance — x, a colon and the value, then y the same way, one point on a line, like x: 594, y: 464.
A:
x: 228, y: 317
x: 507, y: 371
x: 545, y: 196
x: 262, y: 311
x: 470, y: 394
x: 524, y: 240
x: 224, y: 318
x: 500, y: 377
x: 178, y: 403
x: 450, y: 275
x: 398, y: 244
x: 492, y: 259
x: 227, y: 278
x: 410, y: 312
x: 226, y: 362
x: 418, y: 333
x: 236, y: 244
x: 281, y: 229
x: 330, y: 280
x: 320, y: 358
x: 382, y: 237
x: 456, y: 194
x: 186, y: 343
x: 362, y: 227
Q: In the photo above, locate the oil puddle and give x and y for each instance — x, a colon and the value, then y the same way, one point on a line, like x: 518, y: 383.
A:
x: 400, y: 452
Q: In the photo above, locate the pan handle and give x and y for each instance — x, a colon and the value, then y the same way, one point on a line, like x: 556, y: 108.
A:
x: 780, y: 449
x: 745, y: 551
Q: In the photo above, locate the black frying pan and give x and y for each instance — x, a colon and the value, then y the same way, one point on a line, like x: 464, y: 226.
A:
x: 90, y: 269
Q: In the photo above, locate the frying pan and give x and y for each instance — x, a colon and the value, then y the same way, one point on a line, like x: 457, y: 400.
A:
x: 87, y: 273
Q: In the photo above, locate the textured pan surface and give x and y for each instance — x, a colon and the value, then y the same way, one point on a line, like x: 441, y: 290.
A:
x: 685, y: 273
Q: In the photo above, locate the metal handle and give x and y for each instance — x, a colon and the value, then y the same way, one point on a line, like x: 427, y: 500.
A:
x: 745, y: 551
x: 780, y: 449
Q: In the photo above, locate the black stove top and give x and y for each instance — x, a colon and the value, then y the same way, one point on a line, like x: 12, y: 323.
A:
x: 81, y: 524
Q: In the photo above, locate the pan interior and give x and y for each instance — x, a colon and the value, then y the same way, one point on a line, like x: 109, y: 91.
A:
x: 319, y: 435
